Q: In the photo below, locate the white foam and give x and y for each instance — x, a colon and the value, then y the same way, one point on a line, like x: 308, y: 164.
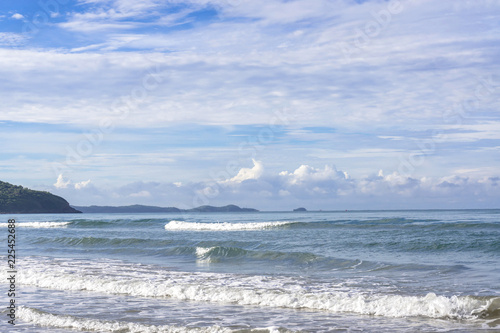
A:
x: 222, y: 226
x: 201, y: 255
x: 86, y: 324
x: 39, y: 224
x: 202, y: 251
x: 244, y: 290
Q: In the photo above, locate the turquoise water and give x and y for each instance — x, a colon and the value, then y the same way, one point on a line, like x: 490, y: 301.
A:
x: 372, y: 271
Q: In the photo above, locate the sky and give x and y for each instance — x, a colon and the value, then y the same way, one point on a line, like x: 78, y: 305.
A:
x: 270, y: 104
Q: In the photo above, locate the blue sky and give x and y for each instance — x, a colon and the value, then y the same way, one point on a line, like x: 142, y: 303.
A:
x: 327, y: 104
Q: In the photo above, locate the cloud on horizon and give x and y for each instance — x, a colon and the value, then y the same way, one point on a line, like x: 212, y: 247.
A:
x: 315, y: 188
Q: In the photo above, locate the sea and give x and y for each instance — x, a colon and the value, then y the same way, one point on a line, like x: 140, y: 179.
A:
x: 341, y: 271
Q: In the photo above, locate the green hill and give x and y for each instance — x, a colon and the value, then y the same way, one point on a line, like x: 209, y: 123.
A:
x: 19, y: 200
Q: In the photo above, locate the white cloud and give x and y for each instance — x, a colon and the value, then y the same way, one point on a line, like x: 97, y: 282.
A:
x: 112, y: 16
x: 285, y: 12
x: 215, y: 72
x: 82, y: 184
x: 248, y: 173
x: 306, y: 174
x: 17, y: 16
x: 12, y: 39
x: 61, y: 182
x: 314, y: 188
x: 484, y: 130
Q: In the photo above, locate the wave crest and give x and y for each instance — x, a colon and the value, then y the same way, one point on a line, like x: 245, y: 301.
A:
x: 39, y: 225
x: 255, y: 291
x: 223, y: 226
x: 46, y: 319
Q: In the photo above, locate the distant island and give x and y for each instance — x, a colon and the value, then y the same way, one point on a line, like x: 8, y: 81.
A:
x: 155, y: 209
x: 19, y: 200
x: 301, y: 209
x: 16, y: 199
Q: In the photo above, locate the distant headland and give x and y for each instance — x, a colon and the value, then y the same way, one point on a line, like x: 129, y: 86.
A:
x: 155, y: 209
x: 19, y: 200
x: 16, y: 199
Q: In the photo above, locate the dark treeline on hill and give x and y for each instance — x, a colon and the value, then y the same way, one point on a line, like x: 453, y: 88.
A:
x: 154, y: 209
x: 19, y: 200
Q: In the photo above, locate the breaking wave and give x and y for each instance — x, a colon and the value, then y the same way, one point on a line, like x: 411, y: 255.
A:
x: 39, y: 225
x: 46, y: 319
x: 263, y: 291
x: 223, y: 226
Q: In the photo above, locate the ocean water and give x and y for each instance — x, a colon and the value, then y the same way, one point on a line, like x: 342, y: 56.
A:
x: 360, y: 271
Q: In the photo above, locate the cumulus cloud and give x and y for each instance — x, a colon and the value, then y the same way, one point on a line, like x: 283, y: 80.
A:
x: 249, y: 173
x: 316, y: 188
x: 82, y: 184
x: 308, y: 174
x: 61, y: 182
x: 17, y: 16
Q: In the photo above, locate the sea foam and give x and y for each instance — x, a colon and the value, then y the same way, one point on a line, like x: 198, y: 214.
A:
x: 46, y: 319
x: 223, y: 226
x: 39, y: 225
x: 262, y: 291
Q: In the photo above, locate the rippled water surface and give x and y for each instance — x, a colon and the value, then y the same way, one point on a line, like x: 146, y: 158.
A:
x: 373, y: 271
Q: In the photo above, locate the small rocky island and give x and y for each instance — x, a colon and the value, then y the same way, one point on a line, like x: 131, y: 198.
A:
x: 20, y: 200
x: 301, y: 209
